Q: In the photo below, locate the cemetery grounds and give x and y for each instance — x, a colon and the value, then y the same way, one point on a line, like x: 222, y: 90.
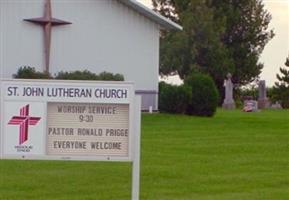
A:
x: 234, y: 155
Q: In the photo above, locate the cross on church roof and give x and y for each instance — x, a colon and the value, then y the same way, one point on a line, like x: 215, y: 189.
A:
x: 47, y: 21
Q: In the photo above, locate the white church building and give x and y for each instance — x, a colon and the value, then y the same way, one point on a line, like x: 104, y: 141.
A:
x: 118, y: 36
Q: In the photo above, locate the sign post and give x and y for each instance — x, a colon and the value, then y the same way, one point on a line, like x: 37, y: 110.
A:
x: 136, y: 157
x: 71, y: 120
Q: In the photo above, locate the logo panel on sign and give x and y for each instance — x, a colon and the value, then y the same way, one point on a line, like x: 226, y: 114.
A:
x: 24, y: 128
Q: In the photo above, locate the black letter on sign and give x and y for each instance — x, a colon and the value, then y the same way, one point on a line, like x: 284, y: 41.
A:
x: 12, y: 91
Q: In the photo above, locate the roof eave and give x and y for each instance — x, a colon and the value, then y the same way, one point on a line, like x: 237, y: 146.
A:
x: 157, y: 18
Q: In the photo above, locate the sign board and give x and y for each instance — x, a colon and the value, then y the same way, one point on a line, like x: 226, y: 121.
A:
x: 68, y: 120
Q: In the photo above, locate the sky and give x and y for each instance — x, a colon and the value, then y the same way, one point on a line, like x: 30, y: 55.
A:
x: 277, y: 50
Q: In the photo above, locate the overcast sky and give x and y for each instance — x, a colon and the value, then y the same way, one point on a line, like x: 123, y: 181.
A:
x: 277, y: 49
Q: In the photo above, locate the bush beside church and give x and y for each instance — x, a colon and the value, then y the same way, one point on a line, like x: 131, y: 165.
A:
x: 197, y: 96
x: 27, y: 72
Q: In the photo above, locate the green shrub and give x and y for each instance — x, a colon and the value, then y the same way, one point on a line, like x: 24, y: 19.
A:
x: 173, y: 98
x: 76, y: 75
x: 281, y: 88
x: 280, y: 94
x: 87, y: 75
x: 110, y: 76
x: 204, y: 95
x: 27, y: 72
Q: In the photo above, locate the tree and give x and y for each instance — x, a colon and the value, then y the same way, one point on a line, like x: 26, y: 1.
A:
x: 281, y: 88
x: 246, y: 35
x: 219, y: 36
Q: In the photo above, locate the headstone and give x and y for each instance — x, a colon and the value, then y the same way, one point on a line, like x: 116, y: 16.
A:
x: 262, y: 99
x: 250, y: 106
x: 276, y: 105
x: 150, y: 109
x: 229, y: 102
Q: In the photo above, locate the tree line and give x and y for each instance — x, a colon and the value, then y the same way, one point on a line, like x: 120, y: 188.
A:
x: 218, y: 37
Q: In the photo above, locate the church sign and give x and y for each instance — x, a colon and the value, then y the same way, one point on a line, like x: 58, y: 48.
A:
x: 68, y: 120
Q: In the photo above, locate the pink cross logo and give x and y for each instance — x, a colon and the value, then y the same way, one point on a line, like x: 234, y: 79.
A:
x: 23, y: 120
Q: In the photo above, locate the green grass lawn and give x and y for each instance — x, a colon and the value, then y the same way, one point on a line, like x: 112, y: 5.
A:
x: 234, y: 155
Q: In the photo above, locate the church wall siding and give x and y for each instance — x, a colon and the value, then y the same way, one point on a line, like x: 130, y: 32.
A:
x: 104, y: 36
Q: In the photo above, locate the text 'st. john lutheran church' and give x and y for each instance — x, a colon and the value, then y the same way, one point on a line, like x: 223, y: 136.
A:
x: 118, y: 36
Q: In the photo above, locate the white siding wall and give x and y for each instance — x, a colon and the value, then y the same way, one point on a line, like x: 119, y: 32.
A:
x: 104, y: 36
x: 1, y: 40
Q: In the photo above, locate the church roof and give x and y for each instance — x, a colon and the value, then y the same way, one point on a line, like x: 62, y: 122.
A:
x: 157, y: 18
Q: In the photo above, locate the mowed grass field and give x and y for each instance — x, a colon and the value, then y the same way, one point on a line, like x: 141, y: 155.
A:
x: 234, y: 155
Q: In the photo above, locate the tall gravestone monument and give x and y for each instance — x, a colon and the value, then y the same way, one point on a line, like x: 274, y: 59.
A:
x: 262, y: 98
x: 229, y: 102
